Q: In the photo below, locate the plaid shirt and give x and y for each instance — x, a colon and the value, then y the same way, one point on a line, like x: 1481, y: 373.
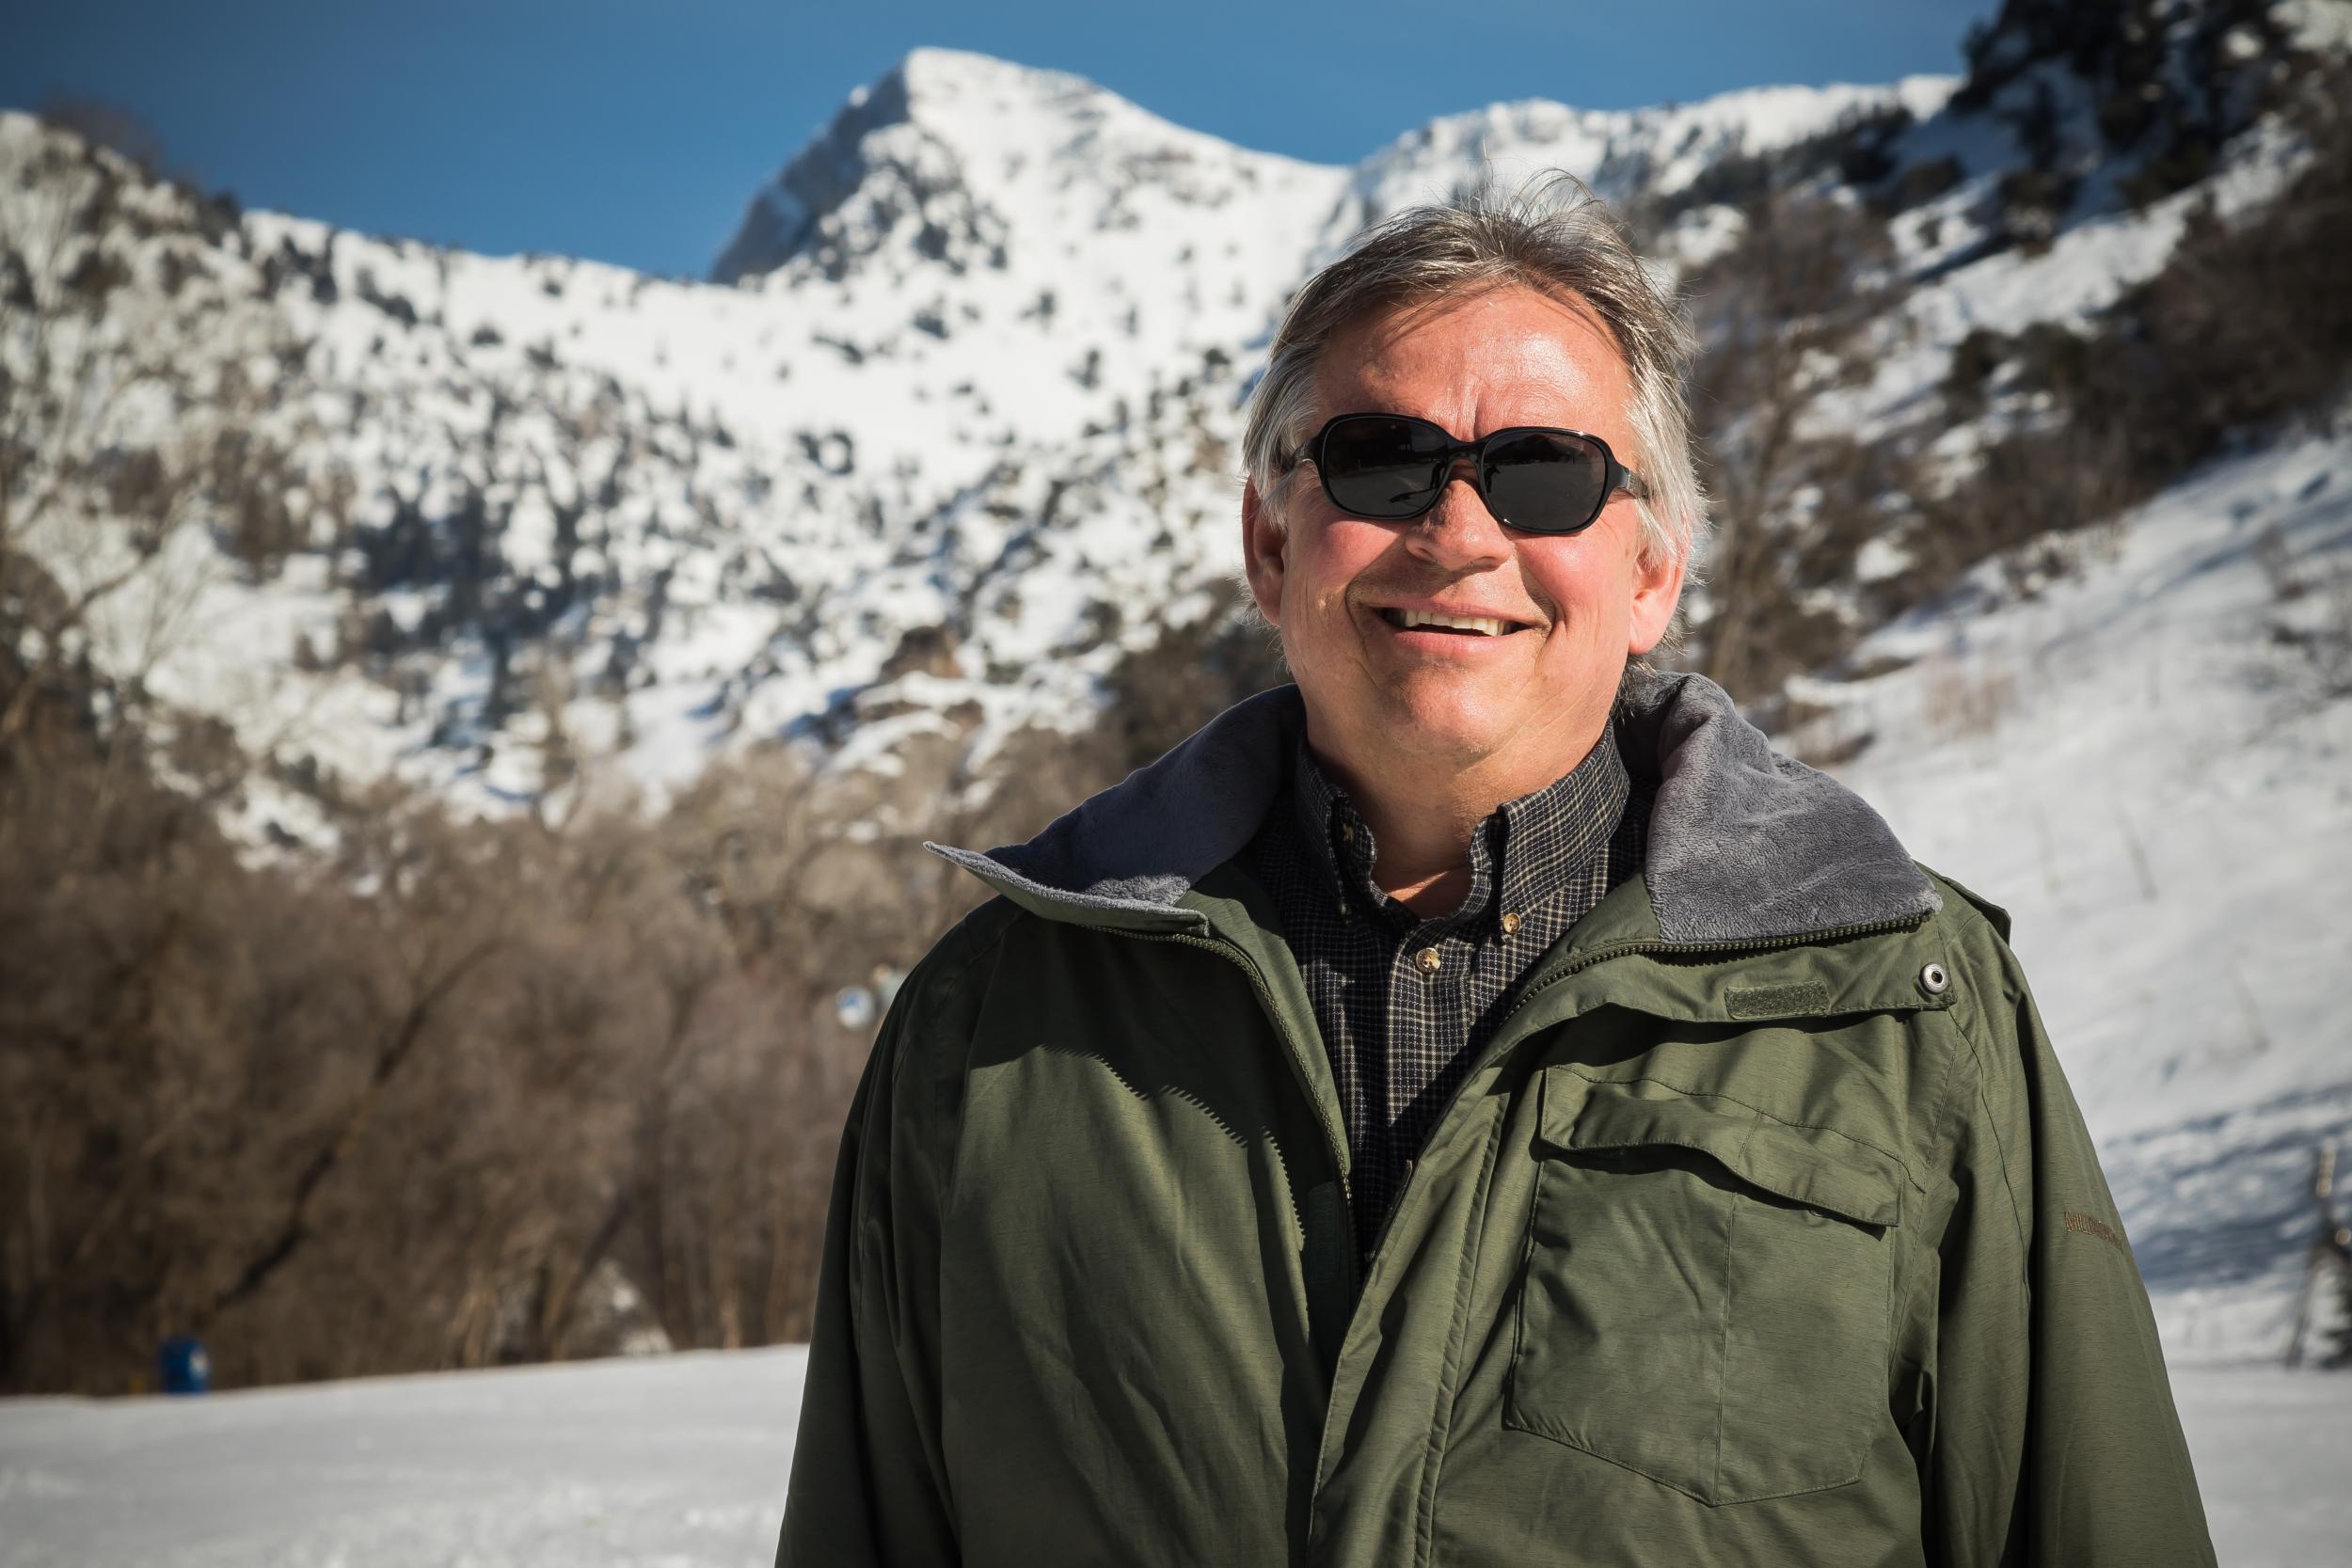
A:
x: 1405, y: 1002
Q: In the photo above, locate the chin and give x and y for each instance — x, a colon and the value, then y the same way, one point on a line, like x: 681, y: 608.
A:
x: 1447, y: 723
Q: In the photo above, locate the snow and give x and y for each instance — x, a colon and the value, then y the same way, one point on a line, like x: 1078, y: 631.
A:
x: 680, y: 1462
x: 1620, y: 152
x: 674, y: 1461
x: 2273, y: 1451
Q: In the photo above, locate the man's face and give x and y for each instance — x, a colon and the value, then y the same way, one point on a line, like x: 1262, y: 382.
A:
x: 1521, y: 706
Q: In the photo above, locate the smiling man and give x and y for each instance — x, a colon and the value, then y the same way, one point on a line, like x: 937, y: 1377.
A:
x: 1479, y: 1105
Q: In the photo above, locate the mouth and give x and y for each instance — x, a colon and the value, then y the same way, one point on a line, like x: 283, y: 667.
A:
x: 1459, y: 626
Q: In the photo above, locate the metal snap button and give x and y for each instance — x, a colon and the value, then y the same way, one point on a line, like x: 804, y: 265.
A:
x: 1429, y: 960
x: 1934, y: 980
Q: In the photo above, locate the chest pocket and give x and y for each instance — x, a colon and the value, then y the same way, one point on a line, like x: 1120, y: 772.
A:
x: 1707, y: 1291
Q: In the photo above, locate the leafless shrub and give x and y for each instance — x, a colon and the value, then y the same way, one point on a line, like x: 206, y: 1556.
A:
x: 1963, y: 699
x: 2310, y: 611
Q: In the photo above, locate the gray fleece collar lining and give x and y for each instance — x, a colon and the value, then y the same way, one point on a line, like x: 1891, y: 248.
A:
x: 1745, y: 845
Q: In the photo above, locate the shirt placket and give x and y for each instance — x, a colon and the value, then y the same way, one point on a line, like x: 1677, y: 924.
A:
x: 1400, y: 999
x: 1429, y: 1002
x: 1430, y: 977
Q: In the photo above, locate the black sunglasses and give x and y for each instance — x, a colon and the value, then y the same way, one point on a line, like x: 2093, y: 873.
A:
x: 1391, y: 467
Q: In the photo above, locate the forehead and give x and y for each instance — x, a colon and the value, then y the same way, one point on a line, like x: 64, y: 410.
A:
x: 1504, y: 355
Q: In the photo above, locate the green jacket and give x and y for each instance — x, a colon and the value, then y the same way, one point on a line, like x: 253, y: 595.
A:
x: 1765, y: 1230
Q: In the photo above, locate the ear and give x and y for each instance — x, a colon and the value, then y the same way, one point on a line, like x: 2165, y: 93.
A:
x: 1265, y: 543
x: 1657, y: 589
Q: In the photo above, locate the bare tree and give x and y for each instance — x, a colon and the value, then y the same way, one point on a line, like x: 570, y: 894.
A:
x: 1781, y: 315
x: 117, y: 435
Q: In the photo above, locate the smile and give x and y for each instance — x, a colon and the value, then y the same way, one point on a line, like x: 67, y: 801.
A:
x: 1475, y: 625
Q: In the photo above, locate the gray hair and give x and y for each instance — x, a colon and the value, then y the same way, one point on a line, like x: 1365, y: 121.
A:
x: 1553, y: 236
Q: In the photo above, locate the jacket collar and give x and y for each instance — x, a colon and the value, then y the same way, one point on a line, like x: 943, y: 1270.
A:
x: 1745, y: 845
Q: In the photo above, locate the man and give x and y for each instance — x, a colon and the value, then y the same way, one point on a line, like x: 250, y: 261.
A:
x: 1479, y: 1105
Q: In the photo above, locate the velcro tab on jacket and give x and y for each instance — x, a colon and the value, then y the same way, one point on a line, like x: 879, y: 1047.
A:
x: 1811, y: 1165
x: 1793, y: 1000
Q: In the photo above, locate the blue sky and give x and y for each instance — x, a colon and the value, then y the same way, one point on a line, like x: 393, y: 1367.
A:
x: 635, y: 132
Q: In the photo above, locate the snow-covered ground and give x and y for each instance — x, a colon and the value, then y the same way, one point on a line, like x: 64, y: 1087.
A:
x: 670, y: 1462
x: 681, y: 1463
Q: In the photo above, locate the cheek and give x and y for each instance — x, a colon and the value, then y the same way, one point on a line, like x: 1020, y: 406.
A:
x: 1582, y: 590
x: 1591, y: 587
x: 1326, y: 562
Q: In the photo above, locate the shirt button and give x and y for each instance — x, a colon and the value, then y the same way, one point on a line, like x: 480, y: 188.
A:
x: 1511, y: 923
x: 1430, y: 960
x: 1347, y: 833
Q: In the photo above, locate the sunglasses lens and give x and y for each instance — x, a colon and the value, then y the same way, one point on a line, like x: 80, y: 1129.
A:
x: 1383, y: 466
x: 1545, y: 481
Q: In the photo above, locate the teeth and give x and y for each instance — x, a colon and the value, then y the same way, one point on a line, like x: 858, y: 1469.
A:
x: 1487, y: 624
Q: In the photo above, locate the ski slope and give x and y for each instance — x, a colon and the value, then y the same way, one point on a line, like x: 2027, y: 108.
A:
x: 680, y: 1462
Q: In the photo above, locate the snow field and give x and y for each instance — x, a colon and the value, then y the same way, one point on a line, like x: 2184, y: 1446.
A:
x: 680, y: 1462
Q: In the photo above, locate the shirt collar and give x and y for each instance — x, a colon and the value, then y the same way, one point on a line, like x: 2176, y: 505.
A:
x: 1534, y: 843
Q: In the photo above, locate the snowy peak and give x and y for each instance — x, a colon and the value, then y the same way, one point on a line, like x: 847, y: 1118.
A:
x: 800, y: 213
x: 925, y: 166
x: 1623, y: 153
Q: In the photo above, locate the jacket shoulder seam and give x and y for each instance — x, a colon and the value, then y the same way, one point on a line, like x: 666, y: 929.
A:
x: 1970, y: 1030
x: 1971, y: 924
x: 1947, y: 1094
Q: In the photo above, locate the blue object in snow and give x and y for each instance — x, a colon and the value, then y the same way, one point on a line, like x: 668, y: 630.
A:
x: 182, y: 1366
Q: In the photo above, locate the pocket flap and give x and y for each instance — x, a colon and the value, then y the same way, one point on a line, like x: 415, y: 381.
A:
x: 1812, y: 1165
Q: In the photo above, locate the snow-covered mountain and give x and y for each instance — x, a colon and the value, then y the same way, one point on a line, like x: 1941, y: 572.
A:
x: 955, y: 430
x: 952, y: 431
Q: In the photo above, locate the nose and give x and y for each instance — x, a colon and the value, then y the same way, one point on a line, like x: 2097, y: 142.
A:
x: 1459, y: 534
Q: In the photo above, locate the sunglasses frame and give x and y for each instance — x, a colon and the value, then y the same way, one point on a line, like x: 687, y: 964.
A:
x: 1615, y: 476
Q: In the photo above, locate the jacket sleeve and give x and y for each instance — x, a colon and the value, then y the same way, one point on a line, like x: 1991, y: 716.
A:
x: 2056, y: 1441
x: 869, y: 1485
